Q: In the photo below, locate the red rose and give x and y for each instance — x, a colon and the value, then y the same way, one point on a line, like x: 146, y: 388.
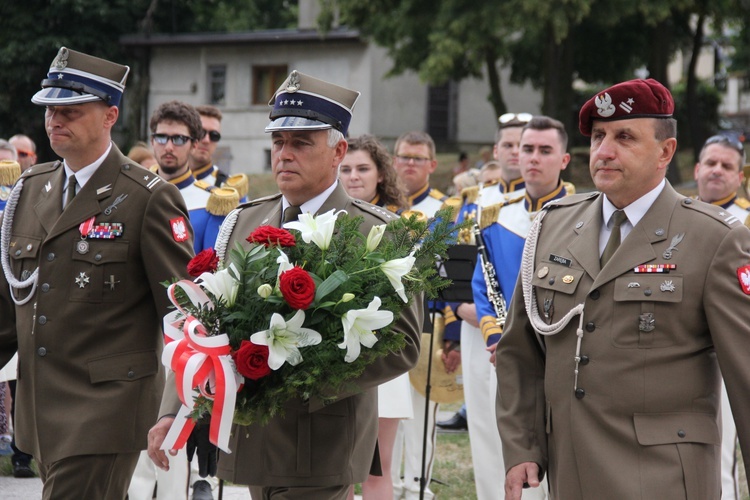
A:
x: 252, y: 360
x: 297, y: 287
x: 270, y: 236
x: 205, y: 262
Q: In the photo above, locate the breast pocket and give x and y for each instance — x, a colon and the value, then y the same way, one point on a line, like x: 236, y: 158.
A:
x: 643, y: 306
x: 99, y: 272
x: 24, y: 258
x: 556, y: 287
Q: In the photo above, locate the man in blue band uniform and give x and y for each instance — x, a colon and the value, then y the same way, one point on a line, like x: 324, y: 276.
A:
x: 89, y: 242
x: 308, y: 123
x: 628, y: 301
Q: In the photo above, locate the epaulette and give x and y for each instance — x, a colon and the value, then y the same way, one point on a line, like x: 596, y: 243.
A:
x: 490, y: 183
x: 406, y: 214
x: 10, y: 171
x: 379, y: 212
x: 42, y: 168
x: 154, y: 169
x: 454, y: 203
x: 489, y: 215
x: 570, y: 200
x: 712, y: 211
x: 570, y: 188
x: 258, y: 201
x: 434, y: 193
x: 240, y: 182
x: 205, y: 186
x: 141, y: 176
x: 222, y: 201
x: 470, y: 194
x: 743, y: 203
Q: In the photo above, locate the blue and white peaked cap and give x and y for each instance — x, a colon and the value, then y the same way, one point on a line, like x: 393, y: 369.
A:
x: 77, y: 78
x: 306, y: 103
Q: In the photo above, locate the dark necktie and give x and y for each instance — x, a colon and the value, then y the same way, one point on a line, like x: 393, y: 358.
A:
x: 291, y: 213
x: 70, y: 190
x: 618, y: 217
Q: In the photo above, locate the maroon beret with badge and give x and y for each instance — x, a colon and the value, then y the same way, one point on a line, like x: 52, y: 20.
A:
x: 631, y: 99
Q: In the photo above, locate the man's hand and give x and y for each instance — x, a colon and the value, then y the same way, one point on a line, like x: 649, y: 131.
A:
x: 207, y: 451
x: 527, y: 472
x: 156, y: 437
x: 493, y: 356
x: 450, y: 356
x: 468, y: 312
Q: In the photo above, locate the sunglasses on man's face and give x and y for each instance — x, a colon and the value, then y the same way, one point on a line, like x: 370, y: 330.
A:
x: 213, y: 135
x: 177, y: 140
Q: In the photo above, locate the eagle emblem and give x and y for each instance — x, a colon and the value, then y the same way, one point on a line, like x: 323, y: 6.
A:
x: 743, y: 275
x: 179, y: 229
x: 604, y: 105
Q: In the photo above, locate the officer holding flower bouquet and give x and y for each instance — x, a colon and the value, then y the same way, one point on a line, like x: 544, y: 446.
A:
x: 312, y: 451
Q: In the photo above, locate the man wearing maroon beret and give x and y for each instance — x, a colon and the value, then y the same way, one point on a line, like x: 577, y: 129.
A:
x: 629, y: 299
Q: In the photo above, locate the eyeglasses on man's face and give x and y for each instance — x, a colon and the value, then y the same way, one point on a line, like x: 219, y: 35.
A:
x: 177, y: 140
x: 418, y: 160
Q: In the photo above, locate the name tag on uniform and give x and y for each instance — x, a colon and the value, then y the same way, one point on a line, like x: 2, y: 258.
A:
x: 560, y: 260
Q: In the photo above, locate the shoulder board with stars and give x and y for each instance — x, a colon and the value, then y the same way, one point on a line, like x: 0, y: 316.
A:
x: 379, y: 212
x: 712, y: 211
x: 742, y: 203
x: 140, y: 175
x: 42, y: 168
x: 571, y: 200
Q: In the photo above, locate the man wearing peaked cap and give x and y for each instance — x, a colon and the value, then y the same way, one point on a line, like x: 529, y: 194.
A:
x: 608, y: 367
x: 88, y: 240
x: 308, y: 122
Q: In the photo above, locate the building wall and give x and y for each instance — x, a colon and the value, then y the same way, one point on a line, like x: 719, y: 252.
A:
x: 386, y: 108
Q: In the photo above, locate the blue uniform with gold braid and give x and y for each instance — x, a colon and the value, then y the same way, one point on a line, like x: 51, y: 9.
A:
x: 214, y: 176
x: 504, y: 239
x: 488, y: 194
x: 205, y: 222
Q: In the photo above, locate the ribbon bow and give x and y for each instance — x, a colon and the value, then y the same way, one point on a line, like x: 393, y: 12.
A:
x: 202, y: 365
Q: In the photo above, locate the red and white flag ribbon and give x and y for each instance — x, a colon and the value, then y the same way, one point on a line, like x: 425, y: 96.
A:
x: 202, y: 365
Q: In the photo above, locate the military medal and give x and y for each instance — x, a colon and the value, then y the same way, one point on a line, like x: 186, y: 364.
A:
x: 82, y: 247
x: 82, y: 280
x: 655, y: 268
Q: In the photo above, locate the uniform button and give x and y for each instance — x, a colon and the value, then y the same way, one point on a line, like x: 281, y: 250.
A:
x: 126, y: 167
x: 41, y: 351
x: 552, y: 280
x: 584, y: 360
x: 681, y: 433
x: 45, y: 287
x: 98, y: 257
x: 131, y: 374
x: 580, y: 393
x: 595, y: 295
x: 18, y: 252
x: 590, y: 326
x: 42, y: 320
x: 51, y: 256
x: 647, y: 292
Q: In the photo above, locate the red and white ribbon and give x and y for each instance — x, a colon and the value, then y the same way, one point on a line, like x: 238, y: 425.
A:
x: 202, y: 365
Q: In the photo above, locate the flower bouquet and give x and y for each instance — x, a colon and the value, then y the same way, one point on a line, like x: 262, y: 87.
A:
x: 300, y: 313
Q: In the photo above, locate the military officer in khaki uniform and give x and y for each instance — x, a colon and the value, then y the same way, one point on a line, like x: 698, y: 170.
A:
x: 628, y: 301
x: 311, y: 452
x: 718, y: 175
x: 86, y: 243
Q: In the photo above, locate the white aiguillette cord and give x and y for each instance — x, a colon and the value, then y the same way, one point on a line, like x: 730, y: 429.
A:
x: 13, y: 282
x: 529, y: 296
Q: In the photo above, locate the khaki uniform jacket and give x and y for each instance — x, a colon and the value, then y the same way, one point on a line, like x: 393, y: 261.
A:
x: 312, y: 445
x: 642, y: 423
x: 90, y: 340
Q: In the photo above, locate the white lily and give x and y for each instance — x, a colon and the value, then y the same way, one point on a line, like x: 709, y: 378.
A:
x: 265, y: 290
x: 374, y: 237
x: 283, y: 262
x: 359, y: 325
x: 318, y: 229
x: 221, y: 284
x: 284, y: 338
x: 395, y: 270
